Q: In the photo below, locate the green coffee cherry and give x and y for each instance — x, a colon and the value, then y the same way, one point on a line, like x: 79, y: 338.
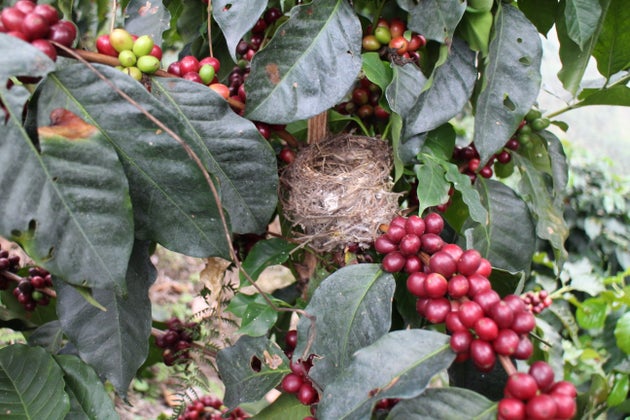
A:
x: 127, y: 58
x: 532, y: 115
x: 142, y: 46
x: 383, y: 35
x: 206, y: 72
x: 148, y: 64
x: 540, y: 124
x: 121, y: 40
x: 133, y: 72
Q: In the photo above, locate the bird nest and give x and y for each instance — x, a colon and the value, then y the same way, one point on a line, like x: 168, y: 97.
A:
x: 339, y: 191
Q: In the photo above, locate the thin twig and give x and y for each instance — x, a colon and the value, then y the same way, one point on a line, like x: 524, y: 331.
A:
x: 209, y: 22
x: 507, y: 364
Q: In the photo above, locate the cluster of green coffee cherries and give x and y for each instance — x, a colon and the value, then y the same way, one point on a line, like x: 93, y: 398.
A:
x: 136, y: 55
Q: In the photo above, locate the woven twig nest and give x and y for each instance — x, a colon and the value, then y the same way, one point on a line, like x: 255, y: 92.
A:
x: 339, y: 191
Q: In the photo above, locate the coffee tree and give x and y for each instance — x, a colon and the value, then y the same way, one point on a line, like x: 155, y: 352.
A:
x: 411, y: 235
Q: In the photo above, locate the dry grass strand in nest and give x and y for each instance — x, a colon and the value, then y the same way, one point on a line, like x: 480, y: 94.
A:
x: 339, y: 191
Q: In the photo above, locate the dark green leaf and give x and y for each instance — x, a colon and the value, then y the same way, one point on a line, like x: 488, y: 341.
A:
x: 475, y: 29
x: 24, y: 60
x: 114, y: 342
x: 535, y: 189
x: 258, y: 319
x: 244, y: 381
x: 542, y: 13
x: 508, y: 241
x: 591, y: 314
x: 432, y: 187
x: 470, y: 196
x: 558, y: 160
x: 353, y: 309
x: 32, y: 384
x: 399, y: 365
x: 171, y: 200
x: 265, y: 253
x: 406, y: 85
x: 48, y: 336
x: 512, y: 81
x: 286, y: 407
x: 575, y: 59
x: 376, y: 70
x: 435, y: 19
x: 614, y: 95
x: 445, y: 403
x: 88, y: 397
x: 622, y: 333
x: 611, y: 50
x: 452, y: 84
x: 619, y: 392
x: 236, y: 18
x: 69, y: 206
x: 582, y: 18
x: 231, y: 149
x: 506, y: 283
x: 308, y: 66
x: 440, y: 142
x: 147, y: 18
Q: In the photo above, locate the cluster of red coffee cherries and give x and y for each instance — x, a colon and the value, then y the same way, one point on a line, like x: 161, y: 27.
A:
x: 297, y: 382
x: 177, y: 341
x: 38, y: 24
x: 31, y: 290
x: 536, y: 395
x: 537, y: 301
x: 469, y: 163
x: 452, y: 286
x: 364, y: 103
x: 209, y: 407
x: 202, y: 71
x: 394, y: 36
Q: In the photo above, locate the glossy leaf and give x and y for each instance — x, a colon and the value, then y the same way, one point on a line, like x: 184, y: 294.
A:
x: 244, y: 381
x: 451, y: 85
x: 48, y: 336
x: 147, y: 17
x: 614, y: 95
x: 24, y: 60
x: 432, y: 188
x: 444, y: 403
x: 69, y: 205
x: 257, y: 317
x: 575, y: 59
x: 266, y: 253
x: 611, y: 51
x: 558, y: 161
x: 622, y: 333
x: 435, y: 19
x: 88, y: 397
x: 509, y: 219
x: 308, y: 66
x: 376, y: 70
x: 475, y: 29
x: 236, y: 18
x: 470, y: 196
x: 512, y: 81
x: 32, y: 384
x: 232, y: 150
x: 544, y: 206
x: 405, y: 87
x: 591, y: 314
x: 166, y: 186
x: 399, y: 365
x: 582, y: 17
x: 113, y: 342
x: 542, y: 13
x: 286, y: 407
x: 353, y: 309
